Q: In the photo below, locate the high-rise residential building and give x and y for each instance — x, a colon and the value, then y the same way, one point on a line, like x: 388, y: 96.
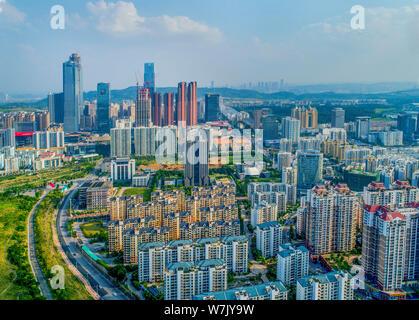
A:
x: 384, y: 247
x: 181, y: 110
x: 292, y: 263
x: 338, y: 118
x: 362, y: 127
x: 7, y: 138
x: 143, y: 108
x: 145, y: 143
x: 307, y: 116
x: 212, y: 107
x: 263, y: 213
x: 42, y: 121
x: 157, y: 109
x: 196, y: 162
x: 289, y: 190
x: 266, y: 291
x: 73, y: 93
x: 283, y: 160
x: 169, y: 105
x: 309, y: 169
x: 183, y: 280
x: 269, y: 238
x: 336, y: 285
x: 330, y: 219
x: 291, y: 129
x: 277, y: 198
x: 151, y: 261
x: 121, y: 139
x: 103, y: 121
x: 191, y: 105
x: 46, y: 140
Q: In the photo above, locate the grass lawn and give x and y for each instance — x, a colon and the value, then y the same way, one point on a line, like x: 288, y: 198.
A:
x: 91, y: 229
x: 48, y: 254
x: 13, y: 249
x: 134, y: 191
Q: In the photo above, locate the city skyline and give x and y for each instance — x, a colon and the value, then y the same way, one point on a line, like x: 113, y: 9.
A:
x: 318, y: 46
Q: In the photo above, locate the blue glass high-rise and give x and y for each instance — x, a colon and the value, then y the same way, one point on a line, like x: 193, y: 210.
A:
x: 103, y: 106
x: 73, y: 93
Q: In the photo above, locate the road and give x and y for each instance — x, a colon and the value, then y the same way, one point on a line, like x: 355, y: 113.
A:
x: 33, y: 260
x: 101, y: 284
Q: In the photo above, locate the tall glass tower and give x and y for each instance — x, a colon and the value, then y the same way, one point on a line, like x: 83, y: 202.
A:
x: 73, y: 93
x: 149, y: 78
x: 103, y: 105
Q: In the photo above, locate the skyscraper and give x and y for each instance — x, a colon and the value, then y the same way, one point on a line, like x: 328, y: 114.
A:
x: 338, y: 118
x: 143, y: 108
x: 270, y: 128
x: 362, y: 128
x: 196, y: 162
x: 192, y: 107
x: 56, y: 107
x: 73, y: 93
x: 149, y: 78
x: 308, y: 117
x: 212, y: 107
x: 309, y: 169
x: 157, y: 108
x: 169, y: 103
x: 103, y: 105
x: 121, y: 139
x: 291, y: 129
x: 181, y: 104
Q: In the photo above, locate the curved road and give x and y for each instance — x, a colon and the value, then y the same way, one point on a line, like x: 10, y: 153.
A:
x: 101, y: 284
x: 33, y: 261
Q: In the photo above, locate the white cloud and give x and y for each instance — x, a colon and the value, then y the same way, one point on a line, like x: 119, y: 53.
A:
x: 122, y: 19
x: 9, y: 15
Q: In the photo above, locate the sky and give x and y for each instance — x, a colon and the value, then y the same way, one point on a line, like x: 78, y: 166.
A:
x: 225, y: 41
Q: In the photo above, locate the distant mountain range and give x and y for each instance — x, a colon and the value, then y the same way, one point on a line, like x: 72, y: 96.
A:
x: 403, y: 93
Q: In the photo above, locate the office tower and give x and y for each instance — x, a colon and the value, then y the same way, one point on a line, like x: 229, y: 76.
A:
x: 262, y: 213
x: 269, y: 238
x: 383, y: 247
x: 266, y: 291
x: 169, y: 104
x: 121, y: 139
x: 212, y: 107
x: 47, y: 140
x: 330, y: 219
x: 338, y: 118
x: 7, y: 138
x: 408, y: 123
x: 181, y: 111
x: 309, y: 169
x: 157, y: 108
x: 103, y: 121
x: 145, y: 143
x: 283, y: 160
x: 270, y: 128
x: 183, y: 280
x: 291, y: 129
x: 191, y: 106
x: 307, y: 116
x: 196, y: 162
x: 73, y: 93
x: 122, y: 169
x: 56, y: 107
x: 336, y: 285
x: 362, y: 127
x: 149, y: 78
x: 292, y: 263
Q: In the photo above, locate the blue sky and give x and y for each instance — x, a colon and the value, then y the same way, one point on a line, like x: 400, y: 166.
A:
x: 228, y: 41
